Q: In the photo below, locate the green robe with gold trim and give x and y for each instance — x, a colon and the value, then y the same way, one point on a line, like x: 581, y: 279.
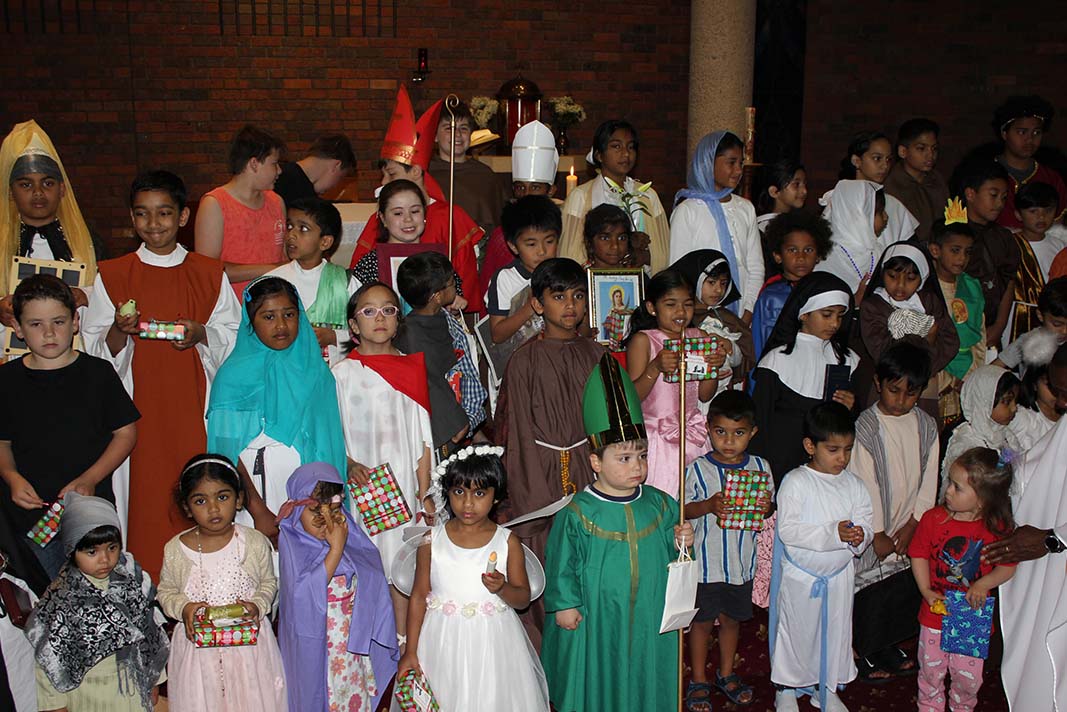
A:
x: 609, y: 560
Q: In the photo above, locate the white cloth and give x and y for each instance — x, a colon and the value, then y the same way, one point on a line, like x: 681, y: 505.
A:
x: 98, y: 317
x: 804, y: 370
x: 693, y: 228
x: 279, y: 461
x: 980, y: 430
x: 382, y: 425
x: 1033, y: 604
x: 1047, y: 249
x: 40, y: 249
x: 1029, y: 427
x: 473, y: 648
x: 762, y: 221
x: 811, y: 504
x: 900, y: 226
x: 306, y: 282
x: 855, y: 246
x: 18, y: 657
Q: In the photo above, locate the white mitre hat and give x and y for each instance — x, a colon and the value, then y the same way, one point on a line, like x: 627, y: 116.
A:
x: 534, y: 157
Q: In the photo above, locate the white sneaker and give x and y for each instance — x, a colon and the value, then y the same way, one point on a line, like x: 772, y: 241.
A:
x: 786, y: 701
x: 833, y: 702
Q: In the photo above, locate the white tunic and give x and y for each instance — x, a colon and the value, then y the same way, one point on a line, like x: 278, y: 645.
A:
x: 306, y: 282
x: 811, y: 504
x: 693, y: 228
x: 382, y: 425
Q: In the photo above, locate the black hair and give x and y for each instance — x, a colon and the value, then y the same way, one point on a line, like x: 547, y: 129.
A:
x: 400, y: 185
x: 324, y: 491
x: 661, y: 283
x: 977, y: 172
x: 1053, y: 298
x: 475, y: 472
x: 251, y: 142
x: 825, y: 420
x: 259, y: 291
x: 901, y: 263
x: 1037, y: 195
x: 103, y: 534
x: 1008, y: 382
x: 912, y: 129
x: 209, y: 466
x: 940, y: 232
x: 719, y: 271
x: 799, y: 221
x: 907, y: 360
x: 729, y: 140
x: 531, y: 212
x: 1029, y: 383
x: 788, y: 325
x: 859, y: 145
x: 353, y: 302
x: 601, y: 218
x: 162, y: 182
x: 1020, y: 107
x: 777, y: 175
x: 733, y: 405
x: 879, y: 200
x: 324, y: 214
x: 557, y: 275
x: 422, y: 275
x: 461, y: 110
x: 334, y: 147
x: 930, y: 288
x: 603, y: 135
x: 42, y: 286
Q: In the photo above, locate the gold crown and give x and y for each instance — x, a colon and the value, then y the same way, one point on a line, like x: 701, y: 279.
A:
x: 955, y: 212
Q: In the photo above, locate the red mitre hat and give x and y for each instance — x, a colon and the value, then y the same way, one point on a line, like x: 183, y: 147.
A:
x: 400, y: 138
x: 426, y: 128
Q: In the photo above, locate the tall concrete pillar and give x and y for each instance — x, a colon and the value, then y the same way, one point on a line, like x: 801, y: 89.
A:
x: 722, y: 44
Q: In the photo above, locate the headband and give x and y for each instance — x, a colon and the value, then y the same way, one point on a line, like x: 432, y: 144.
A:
x: 435, y: 479
x: 833, y: 298
x: 955, y: 212
x: 900, y: 249
x: 35, y: 163
x: 213, y: 460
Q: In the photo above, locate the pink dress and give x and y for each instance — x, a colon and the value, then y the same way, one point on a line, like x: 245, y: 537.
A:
x: 660, y: 408
x: 251, y: 237
x: 236, y: 679
x: 350, y: 678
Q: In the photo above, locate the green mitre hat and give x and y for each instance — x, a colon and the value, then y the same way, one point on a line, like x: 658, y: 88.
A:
x: 611, y: 408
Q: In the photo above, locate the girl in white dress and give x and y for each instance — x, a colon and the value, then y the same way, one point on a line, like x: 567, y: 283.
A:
x: 463, y: 632
x: 385, y: 412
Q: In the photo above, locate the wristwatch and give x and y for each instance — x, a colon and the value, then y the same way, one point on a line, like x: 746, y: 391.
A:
x: 1053, y: 543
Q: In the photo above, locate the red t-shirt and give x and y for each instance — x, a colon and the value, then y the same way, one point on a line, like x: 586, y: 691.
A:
x: 954, y: 552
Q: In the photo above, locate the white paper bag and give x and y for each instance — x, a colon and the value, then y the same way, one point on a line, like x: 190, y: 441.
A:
x: 681, y: 596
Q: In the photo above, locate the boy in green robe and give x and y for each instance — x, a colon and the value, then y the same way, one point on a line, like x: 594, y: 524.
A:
x: 606, y: 568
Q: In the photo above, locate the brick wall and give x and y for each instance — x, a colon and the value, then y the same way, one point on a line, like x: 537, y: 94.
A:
x: 873, y: 65
x: 156, y: 84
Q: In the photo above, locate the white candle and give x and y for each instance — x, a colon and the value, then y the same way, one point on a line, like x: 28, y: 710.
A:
x: 572, y: 182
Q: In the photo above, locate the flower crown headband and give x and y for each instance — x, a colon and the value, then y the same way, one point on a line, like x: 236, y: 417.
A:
x: 435, y: 480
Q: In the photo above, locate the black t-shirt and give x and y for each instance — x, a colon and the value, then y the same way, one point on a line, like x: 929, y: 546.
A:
x: 59, y: 423
x: 293, y: 183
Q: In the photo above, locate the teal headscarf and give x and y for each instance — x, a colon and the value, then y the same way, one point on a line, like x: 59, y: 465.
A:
x: 290, y: 395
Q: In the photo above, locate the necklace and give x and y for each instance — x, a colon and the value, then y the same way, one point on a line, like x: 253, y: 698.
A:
x: 854, y: 265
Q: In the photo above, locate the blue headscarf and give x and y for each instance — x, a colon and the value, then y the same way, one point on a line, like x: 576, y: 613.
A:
x: 701, y: 181
x: 289, y: 395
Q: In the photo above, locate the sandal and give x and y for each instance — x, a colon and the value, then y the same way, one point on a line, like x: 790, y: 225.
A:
x: 868, y: 672
x: 698, y: 697
x: 735, y: 689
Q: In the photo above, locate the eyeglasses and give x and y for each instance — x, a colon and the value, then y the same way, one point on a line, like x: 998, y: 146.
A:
x: 371, y: 312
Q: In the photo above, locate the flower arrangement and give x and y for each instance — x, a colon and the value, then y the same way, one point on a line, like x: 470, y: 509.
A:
x: 483, y: 109
x: 567, y: 111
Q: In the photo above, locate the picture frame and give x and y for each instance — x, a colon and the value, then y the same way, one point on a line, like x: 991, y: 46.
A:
x: 610, y: 318
x: 392, y: 255
x: 72, y: 273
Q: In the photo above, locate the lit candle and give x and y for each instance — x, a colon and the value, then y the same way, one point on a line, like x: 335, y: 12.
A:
x: 750, y: 135
x: 572, y: 182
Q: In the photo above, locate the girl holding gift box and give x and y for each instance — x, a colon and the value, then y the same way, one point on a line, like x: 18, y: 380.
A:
x: 219, y: 563
x: 666, y: 314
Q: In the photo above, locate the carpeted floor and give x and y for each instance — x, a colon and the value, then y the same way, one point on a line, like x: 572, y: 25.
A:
x: 753, y: 664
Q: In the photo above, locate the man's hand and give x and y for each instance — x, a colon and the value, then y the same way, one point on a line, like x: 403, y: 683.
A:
x: 902, y: 539
x: 883, y: 545
x: 22, y: 492
x: 79, y: 485
x: 1026, y: 544
x: 325, y: 336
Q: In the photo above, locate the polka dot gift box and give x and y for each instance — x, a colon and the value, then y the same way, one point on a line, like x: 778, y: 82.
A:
x: 380, y: 502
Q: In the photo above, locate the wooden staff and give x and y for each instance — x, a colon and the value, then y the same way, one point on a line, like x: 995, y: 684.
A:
x: 451, y: 102
x: 681, y: 495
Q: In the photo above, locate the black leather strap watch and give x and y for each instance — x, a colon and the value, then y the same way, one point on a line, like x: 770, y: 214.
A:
x: 1053, y: 543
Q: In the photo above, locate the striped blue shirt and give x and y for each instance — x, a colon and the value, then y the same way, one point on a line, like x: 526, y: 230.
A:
x: 723, y: 555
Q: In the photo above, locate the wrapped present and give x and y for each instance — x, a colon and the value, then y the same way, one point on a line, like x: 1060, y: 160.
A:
x: 965, y: 630
x: 695, y: 349
x: 743, y: 491
x: 414, y: 694
x: 162, y: 330
x: 380, y: 503
x: 212, y: 634
x: 47, y: 527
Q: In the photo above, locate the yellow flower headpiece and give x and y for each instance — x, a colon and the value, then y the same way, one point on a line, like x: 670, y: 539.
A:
x: 955, y: 212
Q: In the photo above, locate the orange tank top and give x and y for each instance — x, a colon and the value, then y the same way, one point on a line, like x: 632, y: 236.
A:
x: 250, y: 236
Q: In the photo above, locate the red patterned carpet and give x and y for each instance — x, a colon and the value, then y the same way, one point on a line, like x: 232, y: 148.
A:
x: 754, y: 666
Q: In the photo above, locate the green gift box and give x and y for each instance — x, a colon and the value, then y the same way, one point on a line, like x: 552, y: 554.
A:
x: 207, y: 634
x: 413, y: 693
x: 696, y: 348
